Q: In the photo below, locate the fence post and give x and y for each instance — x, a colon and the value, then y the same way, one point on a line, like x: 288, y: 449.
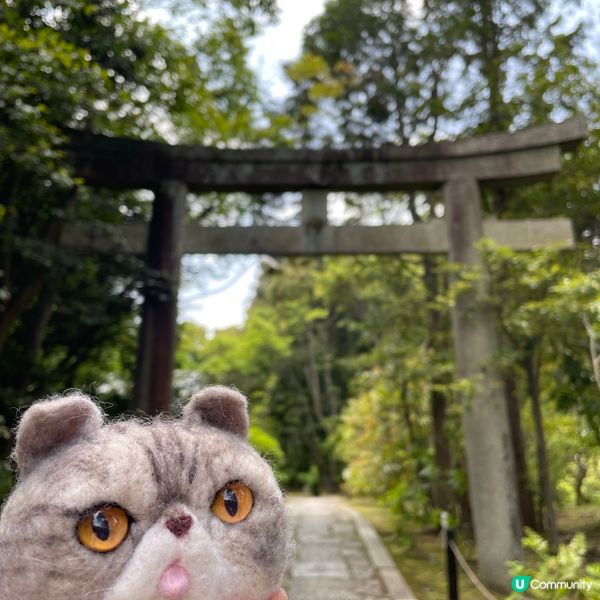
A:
x: 447, y: 537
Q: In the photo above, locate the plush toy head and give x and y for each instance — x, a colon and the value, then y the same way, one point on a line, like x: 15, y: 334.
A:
x: 177, y: 509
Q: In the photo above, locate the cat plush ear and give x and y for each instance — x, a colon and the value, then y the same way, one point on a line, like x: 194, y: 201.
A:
x: 52, y: 424
x: 220, y: 407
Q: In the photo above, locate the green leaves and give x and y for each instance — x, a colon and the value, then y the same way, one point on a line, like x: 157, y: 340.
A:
x: 567, y: 566
x: 67, y: 319
x: 541, y: 288
x: 517, y: 62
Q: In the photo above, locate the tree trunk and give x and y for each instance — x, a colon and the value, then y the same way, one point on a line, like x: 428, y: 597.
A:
x: 532, y: 369
x: 464, y: 506
x: 413, y: 440
x: 37, y: 323
x: 582, y: 469
x: 330, y: 399
x: 331, y: 394
x: 442, y: 494
x: 16, y: 306
x: 526, y: 501
x: 311, y: 372
x: 491, y: 66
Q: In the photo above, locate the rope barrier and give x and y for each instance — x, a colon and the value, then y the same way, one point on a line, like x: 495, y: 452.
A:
x: 469, y: 572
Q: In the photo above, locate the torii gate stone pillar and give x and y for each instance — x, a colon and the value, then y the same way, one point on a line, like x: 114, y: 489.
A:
x: 490, y: 460
x: 459, y: 168
x: 157, y: 336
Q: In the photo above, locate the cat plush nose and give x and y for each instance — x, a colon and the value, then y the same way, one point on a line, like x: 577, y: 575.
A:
x: 179, y: 526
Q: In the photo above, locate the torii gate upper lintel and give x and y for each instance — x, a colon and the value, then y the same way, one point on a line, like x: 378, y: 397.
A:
x: 525, y: 156
x: 459, y: 168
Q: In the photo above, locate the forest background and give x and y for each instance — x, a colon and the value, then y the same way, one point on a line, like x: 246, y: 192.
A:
x: 348, y: 361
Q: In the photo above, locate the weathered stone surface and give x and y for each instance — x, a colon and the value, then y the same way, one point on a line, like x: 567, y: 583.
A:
x: 489, y: 452
x: 157, y: 334
x: 430, y: 238
x: 126, y: 164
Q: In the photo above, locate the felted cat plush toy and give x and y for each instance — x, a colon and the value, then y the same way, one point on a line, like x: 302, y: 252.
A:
x: 177, y: 509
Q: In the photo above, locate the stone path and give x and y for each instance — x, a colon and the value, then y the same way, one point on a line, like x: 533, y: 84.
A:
x: 339, y: 555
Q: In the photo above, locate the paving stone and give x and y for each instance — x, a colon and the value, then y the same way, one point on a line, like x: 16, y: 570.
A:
x: 320, y: 569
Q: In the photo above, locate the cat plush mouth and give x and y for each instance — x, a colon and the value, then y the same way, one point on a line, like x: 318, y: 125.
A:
x: 174, y: 582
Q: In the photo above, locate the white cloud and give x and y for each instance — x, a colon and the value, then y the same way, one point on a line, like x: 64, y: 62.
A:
x: 280, y: 43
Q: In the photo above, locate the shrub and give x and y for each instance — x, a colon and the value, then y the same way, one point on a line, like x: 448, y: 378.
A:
x: 568, y: 566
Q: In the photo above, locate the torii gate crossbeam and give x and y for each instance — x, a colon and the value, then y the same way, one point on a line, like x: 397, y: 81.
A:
x: 119, y: 163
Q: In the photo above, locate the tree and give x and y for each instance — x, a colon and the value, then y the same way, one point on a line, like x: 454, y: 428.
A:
x: 68, y: 320
x: 365, y: 61
x: 541, y: 298
x: 379, y: 73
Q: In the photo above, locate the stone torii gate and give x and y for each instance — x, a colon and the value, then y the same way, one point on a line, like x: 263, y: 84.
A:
x: 459, y: 168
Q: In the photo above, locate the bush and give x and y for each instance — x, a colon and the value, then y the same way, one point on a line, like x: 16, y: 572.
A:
x: 567, y: 566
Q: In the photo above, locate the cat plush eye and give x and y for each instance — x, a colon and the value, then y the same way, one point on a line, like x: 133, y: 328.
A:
x: 233, y: 502
x: 104, y: 529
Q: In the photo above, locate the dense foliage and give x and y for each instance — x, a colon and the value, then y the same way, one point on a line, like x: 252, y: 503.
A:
x: 69, y: 320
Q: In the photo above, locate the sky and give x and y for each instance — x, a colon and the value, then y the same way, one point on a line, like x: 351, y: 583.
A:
x: 281, y: 43
x: 278, y: 44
